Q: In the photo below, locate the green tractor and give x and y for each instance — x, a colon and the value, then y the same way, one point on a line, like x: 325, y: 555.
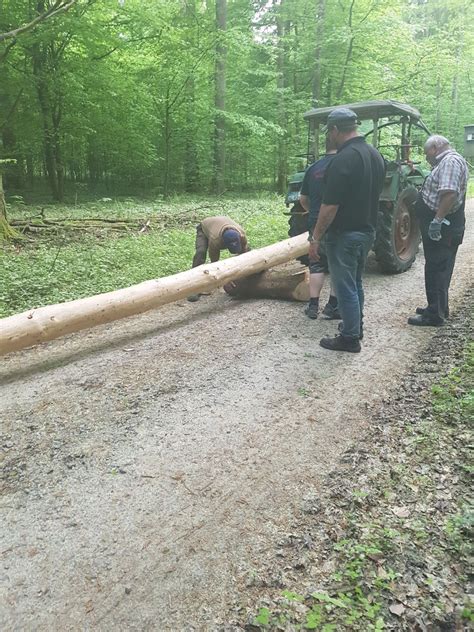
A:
x: 391, y: 125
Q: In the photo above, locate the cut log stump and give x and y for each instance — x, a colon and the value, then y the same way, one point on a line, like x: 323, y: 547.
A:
x: 278, y: 283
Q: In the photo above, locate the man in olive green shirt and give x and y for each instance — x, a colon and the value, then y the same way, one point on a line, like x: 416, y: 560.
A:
x: 214, y: 234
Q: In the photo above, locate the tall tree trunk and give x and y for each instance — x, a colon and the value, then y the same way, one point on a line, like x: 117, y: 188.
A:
x: 220, y: 94
x: 45, y: 58
x: 191, y: 173
x: 167, y: 143
x: 6, y: 231
x: 350, y: 50
x: 316, y: 84
x: 282, y: 174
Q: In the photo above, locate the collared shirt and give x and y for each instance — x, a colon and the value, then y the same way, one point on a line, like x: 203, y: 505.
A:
x: 449, y: 174
x: 353, y: 181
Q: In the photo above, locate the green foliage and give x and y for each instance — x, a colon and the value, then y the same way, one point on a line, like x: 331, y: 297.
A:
x: 131, y: 86
x: 65, y: 267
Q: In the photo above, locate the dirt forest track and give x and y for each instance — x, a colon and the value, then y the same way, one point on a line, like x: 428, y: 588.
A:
x: 150, y: 465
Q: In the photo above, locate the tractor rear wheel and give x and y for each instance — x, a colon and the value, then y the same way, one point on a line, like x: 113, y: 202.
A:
x: 398, y: 234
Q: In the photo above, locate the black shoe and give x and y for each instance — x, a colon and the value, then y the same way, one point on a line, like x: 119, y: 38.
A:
x: 422, y: 311
x: 193, y: 298
x: 341, y: 343
x: 311, y: 310
x: 423, y: 321
x: 331, y: 313
x: 340, y: 327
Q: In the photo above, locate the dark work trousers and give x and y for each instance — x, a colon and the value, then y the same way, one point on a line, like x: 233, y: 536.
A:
x: 202, y: 244
x: 440, y: 257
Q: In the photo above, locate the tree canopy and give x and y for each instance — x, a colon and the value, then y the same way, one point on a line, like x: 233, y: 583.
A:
x: 163, y: 96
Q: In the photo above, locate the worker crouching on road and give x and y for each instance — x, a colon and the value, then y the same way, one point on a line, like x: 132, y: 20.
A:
x: 214, y: 234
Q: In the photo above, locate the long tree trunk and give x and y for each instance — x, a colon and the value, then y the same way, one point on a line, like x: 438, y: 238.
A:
x: 282, y: 174
x: 191, y: 172
x: 350, y: 50
x: 167, y: 143
x: 6, y: 231
x: 46, y: 58
x: 220, y: 95
x: 316, y: 83
x: 53, y: 321
x: 50, y: 142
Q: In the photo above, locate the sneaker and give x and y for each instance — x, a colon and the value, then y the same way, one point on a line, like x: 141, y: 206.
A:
x: 331, y: 313
x: 311, y: 310
x: 341, y: 343
x: 193, y: 298
x: 340, y: 327
x: 422, y: 321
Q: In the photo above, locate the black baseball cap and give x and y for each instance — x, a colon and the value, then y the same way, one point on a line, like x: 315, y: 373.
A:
x: 341, y: 118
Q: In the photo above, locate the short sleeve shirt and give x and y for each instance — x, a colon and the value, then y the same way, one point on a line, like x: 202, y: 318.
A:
x: 449, y: 174
x: 353, y: 182
x: 313, y: 186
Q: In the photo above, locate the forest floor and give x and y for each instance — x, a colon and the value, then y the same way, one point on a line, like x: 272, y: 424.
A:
x: 207, y: 466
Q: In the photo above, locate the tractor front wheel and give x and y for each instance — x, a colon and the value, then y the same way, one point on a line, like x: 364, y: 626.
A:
x: 398, y: 234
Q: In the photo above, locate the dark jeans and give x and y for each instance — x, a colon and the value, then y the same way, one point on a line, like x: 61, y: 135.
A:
x: 440, y: 257
x: 347, y: 254
x: 201, y: 247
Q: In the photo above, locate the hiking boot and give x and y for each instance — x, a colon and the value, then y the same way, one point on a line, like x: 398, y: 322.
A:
x: 341, y: 343
x: 311, y: 310
x: 193, y: 298
x: 361, y: 335
x: 423, y: 321
x: 331, y: 313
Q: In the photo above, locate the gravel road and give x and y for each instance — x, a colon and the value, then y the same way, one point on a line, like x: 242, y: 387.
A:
x: 151, y: 464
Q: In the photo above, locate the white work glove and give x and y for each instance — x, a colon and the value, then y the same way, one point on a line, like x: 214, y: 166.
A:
x: 434, y: 229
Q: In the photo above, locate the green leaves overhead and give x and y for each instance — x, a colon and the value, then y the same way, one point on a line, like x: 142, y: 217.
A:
x: 124, y: 93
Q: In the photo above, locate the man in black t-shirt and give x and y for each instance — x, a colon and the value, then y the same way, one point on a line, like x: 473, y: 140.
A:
x: 311, y: 196
x: 348, y: 217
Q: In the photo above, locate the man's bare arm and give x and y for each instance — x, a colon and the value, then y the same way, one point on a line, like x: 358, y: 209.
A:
x: 304, y: 201
x: 446, y: 203
x: 327, y: 213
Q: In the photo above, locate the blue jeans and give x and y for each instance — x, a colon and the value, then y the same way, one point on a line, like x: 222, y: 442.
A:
x: 347, y: 253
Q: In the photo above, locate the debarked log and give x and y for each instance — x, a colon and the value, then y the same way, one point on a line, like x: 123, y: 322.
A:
x: 52, y: 321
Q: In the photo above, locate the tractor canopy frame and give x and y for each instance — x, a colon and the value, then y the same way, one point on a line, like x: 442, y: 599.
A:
x: 397, y: 114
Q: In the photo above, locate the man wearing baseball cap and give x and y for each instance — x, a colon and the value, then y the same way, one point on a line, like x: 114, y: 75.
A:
x: 216, y: 234
x: 347, y: 220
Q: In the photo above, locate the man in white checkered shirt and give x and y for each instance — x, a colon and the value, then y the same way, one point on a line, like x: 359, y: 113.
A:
x: 441, y: 213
